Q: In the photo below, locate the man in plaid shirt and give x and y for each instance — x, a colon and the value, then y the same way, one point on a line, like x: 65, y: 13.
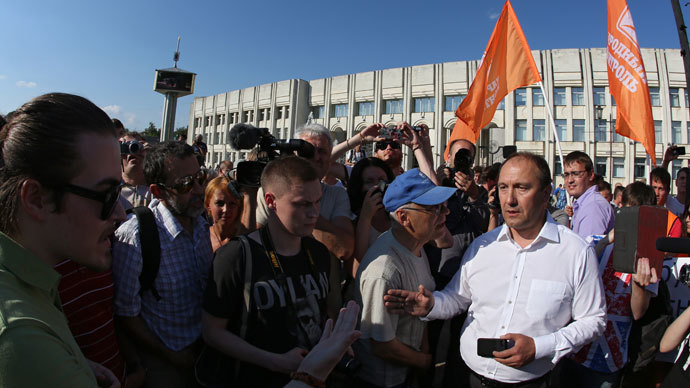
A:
x: 165, y: 321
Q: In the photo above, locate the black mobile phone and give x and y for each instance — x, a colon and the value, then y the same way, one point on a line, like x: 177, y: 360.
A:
x: 487, y: 346
x: 679, y: 151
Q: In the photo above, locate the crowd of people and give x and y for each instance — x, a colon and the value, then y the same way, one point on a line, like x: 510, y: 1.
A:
x: 128, y: 263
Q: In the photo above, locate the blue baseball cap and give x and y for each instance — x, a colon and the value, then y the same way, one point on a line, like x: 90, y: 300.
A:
x: 414, y: 186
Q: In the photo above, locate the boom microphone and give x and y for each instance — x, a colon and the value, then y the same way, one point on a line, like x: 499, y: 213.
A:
x: 244, y: 136
x: 673, y: 245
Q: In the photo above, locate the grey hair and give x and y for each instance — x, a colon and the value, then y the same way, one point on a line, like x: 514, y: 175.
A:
x: 313, y: 130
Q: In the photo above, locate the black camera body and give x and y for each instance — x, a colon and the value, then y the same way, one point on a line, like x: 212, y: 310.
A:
x: 130, y: 147
x: 244, y: 137
x: 463, y: 162
x: 684, y: 274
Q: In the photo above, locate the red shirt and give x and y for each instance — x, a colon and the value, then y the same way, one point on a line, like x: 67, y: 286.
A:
x: 87, y: 301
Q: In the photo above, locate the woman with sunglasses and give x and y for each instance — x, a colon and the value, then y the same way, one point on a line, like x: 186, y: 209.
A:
x: 223, y: 203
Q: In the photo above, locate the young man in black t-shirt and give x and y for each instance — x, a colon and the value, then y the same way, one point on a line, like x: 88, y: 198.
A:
x: 287, y: 293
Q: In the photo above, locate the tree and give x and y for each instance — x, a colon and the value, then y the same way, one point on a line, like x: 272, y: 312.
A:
x: 152, y: 131
x: 180, y: 131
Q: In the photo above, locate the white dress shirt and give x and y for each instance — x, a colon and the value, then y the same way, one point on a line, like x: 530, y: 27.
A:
x: 550, y: 290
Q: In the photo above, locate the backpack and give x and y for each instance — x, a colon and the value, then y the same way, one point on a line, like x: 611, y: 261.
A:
x: 150, y: 249
x: 646, y: 332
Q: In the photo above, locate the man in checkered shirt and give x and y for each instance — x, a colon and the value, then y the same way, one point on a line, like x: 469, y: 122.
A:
x: 165, y: 321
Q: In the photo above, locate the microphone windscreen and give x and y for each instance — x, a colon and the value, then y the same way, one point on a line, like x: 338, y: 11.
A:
x: 673, y: 245
x: 243, y: 137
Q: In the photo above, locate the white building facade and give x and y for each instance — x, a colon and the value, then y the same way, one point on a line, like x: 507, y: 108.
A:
x: 575, y: 81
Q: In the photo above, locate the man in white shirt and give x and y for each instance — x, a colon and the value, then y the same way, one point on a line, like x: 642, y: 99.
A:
x: 532, y: 281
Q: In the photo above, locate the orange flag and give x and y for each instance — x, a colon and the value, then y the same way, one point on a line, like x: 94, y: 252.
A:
x: 507, y: 65
x: 628, y: 79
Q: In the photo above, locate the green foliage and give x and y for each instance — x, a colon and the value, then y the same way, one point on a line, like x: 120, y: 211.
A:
x: 151, y: 130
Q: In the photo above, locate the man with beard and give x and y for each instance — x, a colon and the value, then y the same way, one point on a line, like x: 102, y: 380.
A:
x: 164, y: 320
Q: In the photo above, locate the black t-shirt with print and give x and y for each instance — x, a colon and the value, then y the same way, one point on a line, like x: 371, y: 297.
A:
x: 285, y: 313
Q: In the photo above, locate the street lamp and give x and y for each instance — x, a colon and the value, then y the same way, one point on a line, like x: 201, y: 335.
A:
x: 599, y: 113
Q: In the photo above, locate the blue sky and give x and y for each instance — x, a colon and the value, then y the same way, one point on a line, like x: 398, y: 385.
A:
x: 108, y: 51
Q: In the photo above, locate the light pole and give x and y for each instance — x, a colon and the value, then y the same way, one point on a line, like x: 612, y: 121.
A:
x: 599, y: 113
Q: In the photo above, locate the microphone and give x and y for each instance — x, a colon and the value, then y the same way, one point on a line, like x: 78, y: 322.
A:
x: 673, y: 245
x: 245, y: 136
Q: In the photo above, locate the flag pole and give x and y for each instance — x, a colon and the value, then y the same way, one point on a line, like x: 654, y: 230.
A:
x: 555, y: 134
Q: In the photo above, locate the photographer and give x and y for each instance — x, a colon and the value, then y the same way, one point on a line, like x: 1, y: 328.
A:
x: 135, y: 191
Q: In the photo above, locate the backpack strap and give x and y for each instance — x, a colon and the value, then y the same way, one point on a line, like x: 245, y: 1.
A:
x: 150, y: 250
x: 246, y: 292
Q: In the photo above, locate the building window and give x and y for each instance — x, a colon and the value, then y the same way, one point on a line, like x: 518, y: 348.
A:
x: 613, y: 101
x: 262, y: 114
x: 318, y: 112
x: 675, y: 132
x: 562, y: 129
x: 520, y: 130
x: 639, y: 167
x: 340, y: 110
x: 654, y: 96
x: 675, y: 166
x: 600, y: 130
x: 578, y: 96
x: 557, y: 169
x: 559, y: 96
x: 657, y: 132
x: 453, y: 102
x: 600, y: 165
x: 365, y: 108
x: 394, y: 106
x: 424, y: 104
x: 675, y: 97
x: 538, y: 130
x: 287, y: 112
x: 537, y: 97
x: 501, y: 105
x: 616, y: 137
x: 279, y: 112
x: 520, y: 97
x: 578, y: 130
x: 599, y: 95
x: 619, y: 167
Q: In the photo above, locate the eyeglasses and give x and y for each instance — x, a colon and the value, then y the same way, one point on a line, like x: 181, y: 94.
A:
x: 185, y: 184
x: 107, y: 198
x: 382, y: 145
x: 436, y: 210
x: 574, y: 174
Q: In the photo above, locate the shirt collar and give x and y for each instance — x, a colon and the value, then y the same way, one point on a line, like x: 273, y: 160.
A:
x: 549, y: 231
x: 27, y: 266
x: 170, y: 223
x: 585, y: 195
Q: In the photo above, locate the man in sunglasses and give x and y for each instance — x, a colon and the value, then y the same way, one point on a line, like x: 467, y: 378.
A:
x: 69, y: 210
x: 390, y: 151
x: 165, y: 320
x: 592, y: 214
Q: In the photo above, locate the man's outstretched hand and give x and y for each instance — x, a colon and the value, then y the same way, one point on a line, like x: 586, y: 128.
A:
x: 409, y: 302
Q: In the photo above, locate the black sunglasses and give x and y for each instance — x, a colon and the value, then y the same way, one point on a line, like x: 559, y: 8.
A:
x: 382, y: 145
x: 107, y: 198
x: 185, y: 184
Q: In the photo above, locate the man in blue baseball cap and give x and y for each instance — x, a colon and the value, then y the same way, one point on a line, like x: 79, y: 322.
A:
x: 391, y: 344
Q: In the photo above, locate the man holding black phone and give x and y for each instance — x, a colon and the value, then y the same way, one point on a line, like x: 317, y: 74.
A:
x: 532, y: 282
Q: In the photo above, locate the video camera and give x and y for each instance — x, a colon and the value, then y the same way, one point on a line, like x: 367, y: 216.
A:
x: 245, y: 137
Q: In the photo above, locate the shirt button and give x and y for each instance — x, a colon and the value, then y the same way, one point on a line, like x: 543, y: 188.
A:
x: 515, y: 277
x: 503, y: 327
x: 510, y: 301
